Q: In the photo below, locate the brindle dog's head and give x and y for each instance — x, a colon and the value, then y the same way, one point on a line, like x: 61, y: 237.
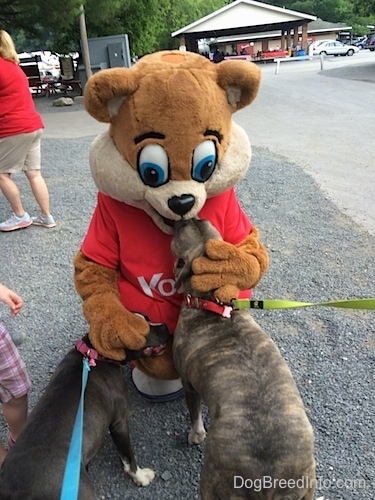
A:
x: 188, y: 243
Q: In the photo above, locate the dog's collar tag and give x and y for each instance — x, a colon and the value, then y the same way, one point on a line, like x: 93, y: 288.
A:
x: 227, y: 312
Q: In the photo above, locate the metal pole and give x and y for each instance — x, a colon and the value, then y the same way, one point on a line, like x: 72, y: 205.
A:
x: 85, y: 43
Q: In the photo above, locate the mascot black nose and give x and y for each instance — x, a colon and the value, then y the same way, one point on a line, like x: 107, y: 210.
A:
x: 180, y: 205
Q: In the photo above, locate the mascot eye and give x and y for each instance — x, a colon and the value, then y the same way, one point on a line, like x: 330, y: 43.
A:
x: 153, y: 165
x: 204, y: 161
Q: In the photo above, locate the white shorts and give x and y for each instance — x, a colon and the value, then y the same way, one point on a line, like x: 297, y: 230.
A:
x: 20, y: 152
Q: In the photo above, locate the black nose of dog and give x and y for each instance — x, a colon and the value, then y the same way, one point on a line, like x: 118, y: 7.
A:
x: 180, y: 205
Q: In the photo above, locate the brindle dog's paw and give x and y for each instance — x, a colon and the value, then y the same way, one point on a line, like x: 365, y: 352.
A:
x: 141, y: 477
x: 196, y: 437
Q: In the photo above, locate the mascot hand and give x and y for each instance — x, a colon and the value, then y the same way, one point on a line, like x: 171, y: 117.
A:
x: 228, y: 268
x: 112, y: 327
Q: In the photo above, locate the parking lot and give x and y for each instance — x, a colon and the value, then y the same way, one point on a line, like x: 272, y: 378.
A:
x: 324, y: 121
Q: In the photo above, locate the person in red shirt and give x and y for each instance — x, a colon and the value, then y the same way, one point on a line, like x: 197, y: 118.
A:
x: 119, y: 237
x: 21, y: 129
x: 171, y: 151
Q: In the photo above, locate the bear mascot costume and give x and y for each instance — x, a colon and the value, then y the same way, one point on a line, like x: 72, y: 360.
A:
x: 171, y: 151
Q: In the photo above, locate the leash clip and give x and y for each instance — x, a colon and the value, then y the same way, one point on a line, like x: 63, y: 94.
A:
x: 192, y: 301
x: 90, y: 360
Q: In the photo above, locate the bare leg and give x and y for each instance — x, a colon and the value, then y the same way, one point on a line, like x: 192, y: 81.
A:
x: 39, y: 189
x: 15, y: 415
x: 11, y: 193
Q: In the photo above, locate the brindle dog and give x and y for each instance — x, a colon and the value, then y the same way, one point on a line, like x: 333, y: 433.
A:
x: 260, y: 443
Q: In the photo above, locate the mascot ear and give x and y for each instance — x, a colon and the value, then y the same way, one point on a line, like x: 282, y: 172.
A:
x: 106, y: 90
x: 240, y: 80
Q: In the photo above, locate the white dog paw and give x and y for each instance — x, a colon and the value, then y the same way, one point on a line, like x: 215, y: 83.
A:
x: 196, y: 437
x: 142, y: 477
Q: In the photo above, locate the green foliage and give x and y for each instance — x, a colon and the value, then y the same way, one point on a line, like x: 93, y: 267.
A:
x: 365, y: 8
x: 150, y: 23
x: 38, y: 24
x: 305, y: 6
x: 355, y: 13
x: 334, y: 10
x: 54, y: 24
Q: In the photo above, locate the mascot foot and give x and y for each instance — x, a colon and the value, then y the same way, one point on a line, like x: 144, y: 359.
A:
x: 154, y: 390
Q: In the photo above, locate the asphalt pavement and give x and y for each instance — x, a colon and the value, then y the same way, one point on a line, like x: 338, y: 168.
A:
x: 310, y: 190
x: 324, y: 121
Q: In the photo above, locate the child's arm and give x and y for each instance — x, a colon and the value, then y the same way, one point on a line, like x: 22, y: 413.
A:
x: 11, y: 299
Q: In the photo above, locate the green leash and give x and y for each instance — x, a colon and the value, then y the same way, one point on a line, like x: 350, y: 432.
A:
x: 368, y: 304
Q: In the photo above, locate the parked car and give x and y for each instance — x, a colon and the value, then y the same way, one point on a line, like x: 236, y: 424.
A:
x: 313, y: 45
x: 361, y: 43
x: 335, y: 49
x: 370, y: 44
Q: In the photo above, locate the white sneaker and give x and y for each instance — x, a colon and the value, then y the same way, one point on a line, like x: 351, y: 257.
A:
x: 44, y: 220
x: 16, y: 222
x: 155, y: 390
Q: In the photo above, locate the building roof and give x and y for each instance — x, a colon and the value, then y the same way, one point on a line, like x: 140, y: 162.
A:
x: 323, y: 26
x: 313, y: 28
x: 244, y: 16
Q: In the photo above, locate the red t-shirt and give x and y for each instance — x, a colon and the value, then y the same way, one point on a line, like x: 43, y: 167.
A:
x: 125, y: 238
x: 17, y: 110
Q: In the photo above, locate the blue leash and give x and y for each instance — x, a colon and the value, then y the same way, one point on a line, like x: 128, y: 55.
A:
x: 72, y: 472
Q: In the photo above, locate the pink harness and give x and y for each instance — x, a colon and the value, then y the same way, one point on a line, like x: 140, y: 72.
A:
x: 90, y: 353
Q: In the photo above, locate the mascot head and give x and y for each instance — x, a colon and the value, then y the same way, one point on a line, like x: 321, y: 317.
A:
x: 171, y: 142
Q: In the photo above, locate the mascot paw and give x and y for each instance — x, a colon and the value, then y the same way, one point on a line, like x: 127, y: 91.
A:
x: 112, y: 338
x: 227, y: 293
x: 229, y: 268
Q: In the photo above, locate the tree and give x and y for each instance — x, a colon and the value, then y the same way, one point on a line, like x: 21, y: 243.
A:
x: 149, y: 23
x: 37, y: 20
x: 355, y: 14
x: 55, y: 24
x: 365, y: 7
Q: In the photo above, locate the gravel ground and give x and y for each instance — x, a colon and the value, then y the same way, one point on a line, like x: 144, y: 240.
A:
x: 316, y: 252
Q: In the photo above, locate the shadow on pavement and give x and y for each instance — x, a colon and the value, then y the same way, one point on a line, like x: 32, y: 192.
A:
x: 362, y: 72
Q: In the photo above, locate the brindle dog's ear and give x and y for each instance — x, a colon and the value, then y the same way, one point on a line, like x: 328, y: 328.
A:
x: 188, y: 243
x: 182, y: 270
